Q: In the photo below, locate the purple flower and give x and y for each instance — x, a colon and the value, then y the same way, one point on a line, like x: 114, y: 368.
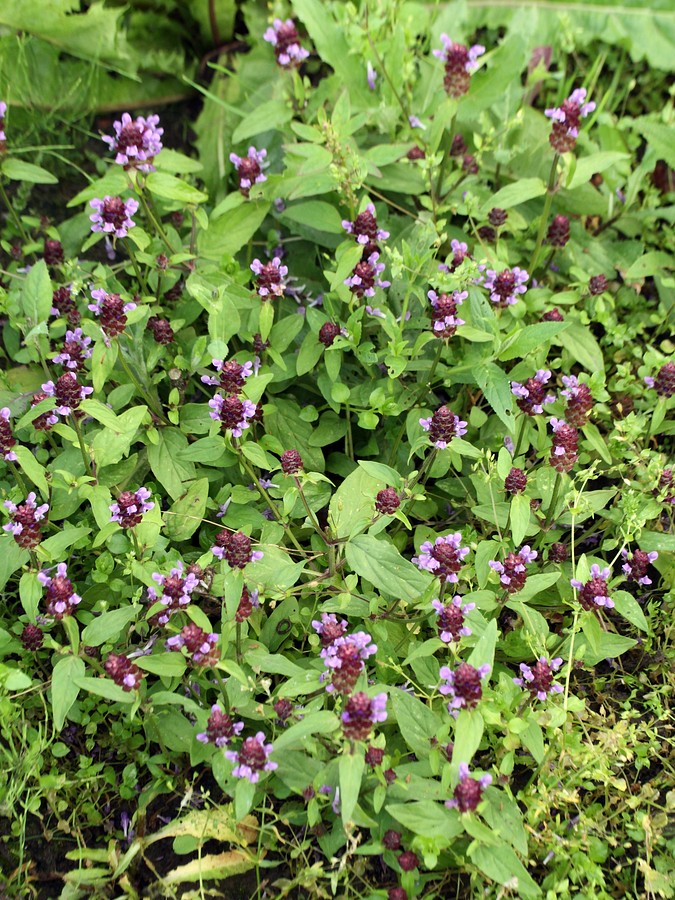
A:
x: 176, y: 593
x: 270, y: 277
x: 505, y: 286
x: 61, y: 598
x: 566, y: 120
x: 3, y: 113
x: 136, y: 142
x: 539, y: 679
x: 371, y: 76
x: 444, y: 558
x: 443, y: 426
x: 345, y: 658
x: 508, y: 443
x: 67, y: 392
x: 232, y: 413
x: 595, y: 591
x: 451, y: 618
x: 75, y: 350
x: 220, y: 729
x: 375, y: 312
x: 7, y: 439
x: 365, y: 277
x: 513, y: 570
x: 364, y: 227
x: 113, y: 215
x: 463, y: 686
x: 414, y: 122
x: 468, y: 793
x: 286, y: 42
x: 329, y: 628
x: 532, y: 396
x: 200, y: 645
x: 460, y: 61
x: 361, y: 713
x: 444, y: 306
x: 131, y: 507
x: 635, y: 566
x: 235, y: 548
x: 231, y: 375
x: 249, y: 168
x: 252, y: 758
x: 25, y: 521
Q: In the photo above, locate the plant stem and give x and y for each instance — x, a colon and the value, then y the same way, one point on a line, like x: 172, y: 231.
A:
x: 137, y: 546
x: 544, y: 216
x: 13, y: 213
x: 213, y: 22
x: 137, y: 269
x: 153, y: 219
x: 152, y: 403
x: 554, y: 501
x: 83, y: 450
x: 521, y: 435
x: 312, y: 518
x: 18, y: 477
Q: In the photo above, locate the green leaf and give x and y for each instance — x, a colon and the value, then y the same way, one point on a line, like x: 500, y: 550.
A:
x: 30, y: 594
x: 652, y: 263
x: 597, y: 442
x: 168, y: 187
x: 320, y: 722
x: 64, y: 687
x: 170, y: 665
x: 187, y: 513
x: 112, y: 444
x: 513, y: 194
x: 418, y: 723
x: 229, y: 233
x: 496, y: 386
x: 384, y: 473
x: 102, y: 687
x: 468, y: 735
x: 427, y: 819
x: 500, y: 863
x: 309, y: 354
x: 177, y: 163
x: 535, y: 584
x: 353, y: 504
x: 583, y: 347
x: 659, y: 136
x: 350, y: 768
x: 520, y: 517
x: 18, y: 170
x: 628, y: 608
x: 12, y: 557
x: 484, y: 651
x: 270, y: 116
x: 32, y: 469
x: 57, y: 544
x: 659, y: 541
x: 602, y: 644
x: 171, y: 471
x: 380, y: 563
x: 212, y: 866
x: 596, y: 162
x: 36, y: 296
x: 315, y: 214
x: 108, y: 625
x: 530, y: 338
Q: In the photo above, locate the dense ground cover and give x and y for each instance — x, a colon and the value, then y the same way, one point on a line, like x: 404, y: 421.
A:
x: 339, y: 469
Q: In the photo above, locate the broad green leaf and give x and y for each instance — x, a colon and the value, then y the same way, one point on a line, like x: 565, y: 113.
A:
x: 171, y: 471
x: 484, y: 651
x: 108, y: 625
x: 596, y: 162
x: 30, y: 594
x: 384, y: 473
x: 112, y: 444
x: 36, y: 296
x: 211, y: 866
x: 513, y: 194
x: 166, y: 664
x: 320, y: 722
x: 55, y: 546
x: 352, y: 505
x: 380, y: 563
x: 32, y: 469
x: 530, y: 338
x: 64, y: 688
x: 426, y: 818
x: 602, y: 644
x: 583, y: 347
x: 597, y: 442
x: 316, y: 214
x: 655, y: 540
x: 230, y: 232
x: 270, y: 116
x: 652, y: 263
x: 102, y: 687
x: 350, y: 767
x: 468, y: 735
x: 535, y: 584
x: 187, y: 513
x: 12, y: 557
x: 659, y: 136
x: 496, y: 386
x: 418, y: 723
x: 520, y: 517
x: 628, y: 608
x: 18, y: 170
x: 168, y: 187
x: 177, y: 163
x: 500, y: 863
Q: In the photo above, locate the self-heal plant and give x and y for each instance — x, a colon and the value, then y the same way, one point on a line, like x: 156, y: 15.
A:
x: 567, y: 119
x: 111, y: 310
x: 252, y: 758
x: 594, y: 592
x: 235, y: 549
x: 469, y: 791
x: 284, y: 37
x: 75, y: 350
x: 270, y: 278
x: 26, y: 521
x: 249, y: 169
x: 451, y: 617
x: 7, y: 439
x: 507, y: 286
x: 60, y: 594
x: 460, y: 62
x: 344, y: 659
x: 442, y: 426
x: 538, y: 679
x: 220, y: 728
x: 130, y: 507
x: 366, y: 277
x: 136, y: 142
x: 443, y: 558
x: 445, y: 322
x: 532, y: 396
x: 233, y: 414
x: 176, y: 591
x: 636, y: 564
x: 361, y: 713
x: 513, y: 571
x: 113, y: 215
x: 463, y: 686
x: 67, y: 392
